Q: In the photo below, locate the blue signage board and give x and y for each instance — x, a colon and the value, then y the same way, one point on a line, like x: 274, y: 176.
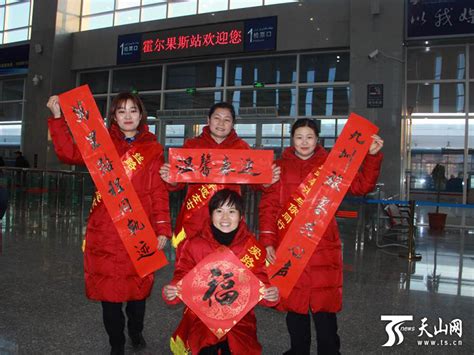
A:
x: 14, y: 59
x: 207, y: 40
x: 439, y: 18
x: 128, y: 48
x: 260, y: 34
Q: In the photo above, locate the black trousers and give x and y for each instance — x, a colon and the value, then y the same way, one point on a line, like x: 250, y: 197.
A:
x: 114, y: 321
x: 221, y: 348
x: 299, y: 327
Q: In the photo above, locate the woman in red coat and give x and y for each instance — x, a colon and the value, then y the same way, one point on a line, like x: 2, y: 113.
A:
x: 319, y: 289
x: 218, y: 134
x: 226, y: 227
x: 109, y: 273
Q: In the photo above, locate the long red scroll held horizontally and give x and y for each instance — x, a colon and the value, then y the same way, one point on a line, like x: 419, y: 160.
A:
x: 221, y: 166
x: 111, y: 180
x: 303, y: 230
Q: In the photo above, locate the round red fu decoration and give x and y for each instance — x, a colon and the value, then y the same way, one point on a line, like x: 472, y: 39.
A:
x: 220, y: 290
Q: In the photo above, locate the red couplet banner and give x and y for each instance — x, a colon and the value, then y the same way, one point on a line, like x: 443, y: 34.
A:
x: 109, y: 173
x: 220, y: 290
x: 219, y: 166
x: 305, y: 219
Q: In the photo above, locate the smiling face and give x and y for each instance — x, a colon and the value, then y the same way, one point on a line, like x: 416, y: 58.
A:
x: 226, y: 218
x: 304, y: 141
x: 220, y: 124
x: 128, y: 116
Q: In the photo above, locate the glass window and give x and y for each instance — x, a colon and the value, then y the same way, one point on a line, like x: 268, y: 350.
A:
x: 282, y: 99
x: 11, y: 90
x: 273, y: 2
x: 269, y: 70
x: 148, y: 2
x: 435, y: 133
x: 436, y: 98
x: 152, y: 104
x: 212, y: 5
x: 470, y: 165
x: 436, y: 64
x: 174, y: 135
x: 327, y: 128
x: 11, y: 111
x: 101, y: 105
x: 2, y: 17
x: 207, y: 74
x: 123, y: 4
x: 237, y: 4
x: 340, y: 125
x: 471, y: 61
x: 176, y: 9
x: 95, y: 22
x: 127, y: 16
x: 1, y: 37
x: 327, y: 101
x: 247, y: 131
x: 327, y: 67
x: 15, y: 36
x: 151, y: 13
x: 140, y: 79
x: 98, y: 81
x: 200, y: 99
x: 17, y: 15
x: 96, y: 6
x: 272, y: 134
x: 10, y: 134
x: 471, y: 97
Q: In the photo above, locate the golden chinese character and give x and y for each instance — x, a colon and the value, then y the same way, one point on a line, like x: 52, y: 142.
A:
x: 287, y: 217
x: 212, y: 187
x: 196, y: 198
x: 138, y: 157
x: 306, y: 189
x: 312, y: 181
x: 130, y: 163
x: 247, y: 261
x: 189, y: 204
x: 280, y: 224
x: 293, y: 209
x: 204, y: 191
x: 299, y: 201
x: 255, y: 251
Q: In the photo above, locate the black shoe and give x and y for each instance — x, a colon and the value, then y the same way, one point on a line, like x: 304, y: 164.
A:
x: 138, y: 342
x: 117, y: 351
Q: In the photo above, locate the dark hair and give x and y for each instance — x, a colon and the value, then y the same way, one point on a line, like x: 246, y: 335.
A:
x: 305, y: 122
x: 226, y: 197
x: 224, y: 105
x: 121, y: 99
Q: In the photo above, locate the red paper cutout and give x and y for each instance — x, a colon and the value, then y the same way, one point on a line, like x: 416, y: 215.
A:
x: 218, y: 299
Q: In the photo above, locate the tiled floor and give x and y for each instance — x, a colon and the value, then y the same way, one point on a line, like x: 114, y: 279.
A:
x: 43, y: 309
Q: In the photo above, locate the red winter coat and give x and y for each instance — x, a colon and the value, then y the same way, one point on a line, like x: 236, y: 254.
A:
x: 109, y: 273
x: 319, y: 287
x: 242, y: 338
x: 194, y: 224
